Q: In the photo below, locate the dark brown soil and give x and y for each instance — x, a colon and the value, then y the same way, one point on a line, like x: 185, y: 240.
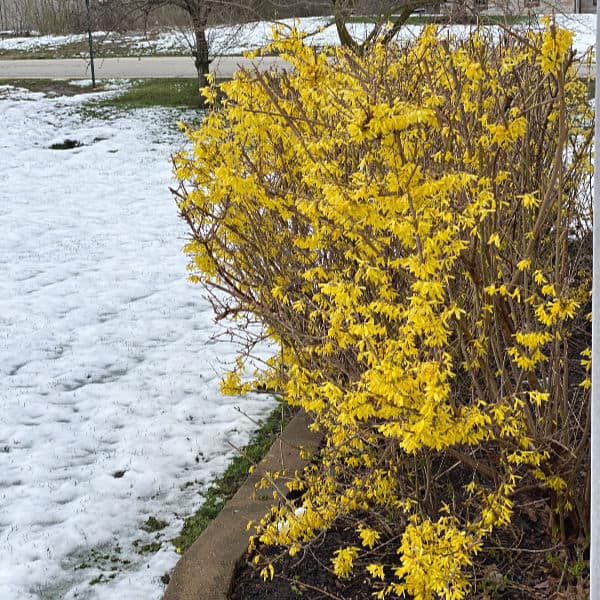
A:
x: 53, y: 87
x: 307, y: 576
x: 534, y: 569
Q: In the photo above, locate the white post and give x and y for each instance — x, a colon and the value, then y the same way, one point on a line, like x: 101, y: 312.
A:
x: 595, y: 400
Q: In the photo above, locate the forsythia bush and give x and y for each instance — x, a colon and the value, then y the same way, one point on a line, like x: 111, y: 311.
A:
x: 411, y: 229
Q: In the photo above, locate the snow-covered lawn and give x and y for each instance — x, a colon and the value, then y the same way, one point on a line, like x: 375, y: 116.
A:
x: 109, y: 397
x: 226, y: 40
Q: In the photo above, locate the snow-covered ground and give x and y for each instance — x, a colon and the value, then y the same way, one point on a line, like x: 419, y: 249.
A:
x: 109, y: 374
x: 227, y: 40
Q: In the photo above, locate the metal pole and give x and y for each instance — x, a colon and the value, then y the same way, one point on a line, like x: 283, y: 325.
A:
x: 595, y: 399
x: 89, y: 24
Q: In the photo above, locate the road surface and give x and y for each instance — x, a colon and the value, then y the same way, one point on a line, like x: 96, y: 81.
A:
x: 126, y: 68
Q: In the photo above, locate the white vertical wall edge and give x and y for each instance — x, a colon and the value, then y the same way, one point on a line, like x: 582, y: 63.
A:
x: 595, y: 400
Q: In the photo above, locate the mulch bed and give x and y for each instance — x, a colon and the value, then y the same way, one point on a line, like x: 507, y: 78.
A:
x: 306, y: 576
x: 536, y: 568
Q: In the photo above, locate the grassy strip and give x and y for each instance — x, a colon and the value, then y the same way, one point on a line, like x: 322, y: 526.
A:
x: 236, y: 473
x: 142, y: 93
x: 170, y: 92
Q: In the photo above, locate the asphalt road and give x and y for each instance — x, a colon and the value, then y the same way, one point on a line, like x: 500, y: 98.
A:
x: 126, y: 68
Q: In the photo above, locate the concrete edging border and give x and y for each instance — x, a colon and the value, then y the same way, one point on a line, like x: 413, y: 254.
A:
x: 205, y: 571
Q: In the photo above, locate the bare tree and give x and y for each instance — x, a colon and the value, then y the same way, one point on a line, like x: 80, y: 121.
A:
x: 201, y: 15
x: 3, y: 16
x: 386, y: 16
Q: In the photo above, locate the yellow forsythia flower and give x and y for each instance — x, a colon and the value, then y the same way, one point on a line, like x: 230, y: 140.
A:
x: 343, y: 561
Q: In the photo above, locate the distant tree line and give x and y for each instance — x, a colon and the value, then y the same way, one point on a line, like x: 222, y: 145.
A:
x: 69, y: 16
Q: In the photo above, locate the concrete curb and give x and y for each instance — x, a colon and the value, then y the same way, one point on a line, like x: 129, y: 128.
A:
x: 205, y: 571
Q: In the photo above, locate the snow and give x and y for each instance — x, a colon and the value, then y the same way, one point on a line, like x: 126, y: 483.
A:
x: 236, y: 40
x: 109, y: 371
x: 48, y: 42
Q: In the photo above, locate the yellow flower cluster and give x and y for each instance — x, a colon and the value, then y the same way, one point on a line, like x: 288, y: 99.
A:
x: 556, y: 45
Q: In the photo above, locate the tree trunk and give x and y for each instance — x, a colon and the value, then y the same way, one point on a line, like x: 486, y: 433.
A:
x: 341, y: 14
x: 201, y: 60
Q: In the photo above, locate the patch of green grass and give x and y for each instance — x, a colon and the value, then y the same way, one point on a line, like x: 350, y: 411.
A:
x: 150, y: 548
x: 106, y: 560
x: 96, y: 580
x: 143, y: 93
x: 153, y: 524
x: 235, y: 475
